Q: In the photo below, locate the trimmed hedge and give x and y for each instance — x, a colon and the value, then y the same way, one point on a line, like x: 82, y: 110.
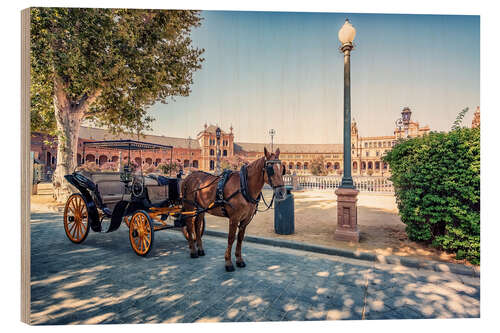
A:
x: 437, y: 185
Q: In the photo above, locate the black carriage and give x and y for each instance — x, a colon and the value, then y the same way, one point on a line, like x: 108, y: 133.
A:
x: 145, y: 203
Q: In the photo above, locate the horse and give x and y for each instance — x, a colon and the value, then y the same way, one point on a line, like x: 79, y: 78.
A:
x: 239, y: 204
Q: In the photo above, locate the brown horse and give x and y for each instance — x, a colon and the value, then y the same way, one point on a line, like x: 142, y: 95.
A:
x: 199, y: 189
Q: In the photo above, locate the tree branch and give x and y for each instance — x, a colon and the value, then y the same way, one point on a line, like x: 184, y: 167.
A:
x: 87, y: 100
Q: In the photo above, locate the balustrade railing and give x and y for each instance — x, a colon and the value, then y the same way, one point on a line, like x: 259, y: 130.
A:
x: 363, y: 184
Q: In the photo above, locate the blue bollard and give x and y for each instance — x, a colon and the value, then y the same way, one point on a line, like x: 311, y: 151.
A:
x: 284, y: 214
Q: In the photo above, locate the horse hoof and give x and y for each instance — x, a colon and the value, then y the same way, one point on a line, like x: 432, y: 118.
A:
x: 194, y: 255
x: 201, y: 253
x: 230, y: 268
x: 240, y: 264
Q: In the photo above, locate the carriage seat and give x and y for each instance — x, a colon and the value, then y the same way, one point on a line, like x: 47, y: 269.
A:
x: 161, y: 188
x: 110, y: 187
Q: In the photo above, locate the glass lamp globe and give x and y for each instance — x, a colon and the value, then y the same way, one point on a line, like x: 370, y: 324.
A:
x: 347, y: 33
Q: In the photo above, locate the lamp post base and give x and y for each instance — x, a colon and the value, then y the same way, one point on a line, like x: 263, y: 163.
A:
x: 347, y: 215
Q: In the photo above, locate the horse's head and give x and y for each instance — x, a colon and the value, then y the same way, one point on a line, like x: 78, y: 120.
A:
x: 273, y: 173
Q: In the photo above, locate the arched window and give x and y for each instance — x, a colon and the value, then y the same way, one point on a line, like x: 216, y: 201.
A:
x: 370, y: 165
x: 186, y: 163
x: 385, y: 166
x: 224, y: 153
x: 212, y: 152
x: 89, y: 158
x: 212, y: 164
x: 79, y: 159
x: 114, y: 158
x: 366, y: 144
x: 149, y: 161
x: 363, y: 165
x: 138, y: 160
x: 336, y: 166
x: 306, y: 165
x: 377, y: 165
x: 195, y: 164
x: 102, y: 159
x: 355, y: 165
x: 158, y: 161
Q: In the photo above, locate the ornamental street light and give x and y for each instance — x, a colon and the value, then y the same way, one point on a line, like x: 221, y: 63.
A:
x: 190, y: 154
x: 217, y: 135
x: 272, y: 132
x: 347, y: 219
x: 346, y: 37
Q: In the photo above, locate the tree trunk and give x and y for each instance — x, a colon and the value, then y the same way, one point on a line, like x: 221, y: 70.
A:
x: 68, y: 129
x: 69, y: 116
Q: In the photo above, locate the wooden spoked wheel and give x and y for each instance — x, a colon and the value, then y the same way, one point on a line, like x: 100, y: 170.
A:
x: 76, y: 218
x: 141, y: 233
x: 185, y: 232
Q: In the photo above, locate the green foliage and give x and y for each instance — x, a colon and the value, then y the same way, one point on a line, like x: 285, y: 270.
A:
x: 318, y: 166
x: 437, y: 186
x: 234, y: 162
x: 173, y: 167
x: 458, y: 121
x: 128, y: 59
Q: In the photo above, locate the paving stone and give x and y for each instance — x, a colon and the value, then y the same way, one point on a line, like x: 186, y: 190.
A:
x: 103, y: 281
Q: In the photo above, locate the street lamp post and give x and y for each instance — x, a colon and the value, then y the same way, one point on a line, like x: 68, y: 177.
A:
x: 347, y: 224
x: 217, y: 135
x: 190, y: 156
x: 272, y: 132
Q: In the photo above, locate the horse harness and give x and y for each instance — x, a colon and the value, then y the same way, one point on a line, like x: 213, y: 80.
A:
x: 220, y: 201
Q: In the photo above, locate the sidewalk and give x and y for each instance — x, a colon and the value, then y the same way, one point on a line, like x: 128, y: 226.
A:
x: 381, y: 230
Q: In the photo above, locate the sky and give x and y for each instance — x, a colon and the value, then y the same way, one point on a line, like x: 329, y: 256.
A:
x: 284, y: 71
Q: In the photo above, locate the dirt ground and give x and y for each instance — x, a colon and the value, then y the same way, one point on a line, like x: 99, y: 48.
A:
x: 381, y: 230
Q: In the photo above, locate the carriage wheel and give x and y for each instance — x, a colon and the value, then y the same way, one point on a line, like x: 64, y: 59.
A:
x: 141, y: 233
x: 185, y: 232
x: 76, y: 218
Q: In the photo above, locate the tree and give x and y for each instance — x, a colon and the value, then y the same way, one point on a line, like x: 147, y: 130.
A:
x: 106, y: 66
x: 234, y: 162
x: 318, y: 167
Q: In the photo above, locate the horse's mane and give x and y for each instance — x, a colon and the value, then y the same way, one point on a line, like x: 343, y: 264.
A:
x: 257, y: 162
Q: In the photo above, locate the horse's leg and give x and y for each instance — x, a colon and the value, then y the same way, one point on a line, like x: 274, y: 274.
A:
x: 241, y: 235
x: 230, y: 240
x: 190, y: 230
x: 198, y: 226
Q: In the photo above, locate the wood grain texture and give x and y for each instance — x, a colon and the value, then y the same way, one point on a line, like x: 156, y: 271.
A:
x: 26, y: 173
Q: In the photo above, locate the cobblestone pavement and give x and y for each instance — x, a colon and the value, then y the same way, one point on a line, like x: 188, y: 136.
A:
x: 103, y: 281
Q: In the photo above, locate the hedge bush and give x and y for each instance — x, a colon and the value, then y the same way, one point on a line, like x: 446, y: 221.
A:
x: 437, y: 186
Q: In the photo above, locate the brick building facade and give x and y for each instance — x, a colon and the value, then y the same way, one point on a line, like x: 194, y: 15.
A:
x: 201, y: 153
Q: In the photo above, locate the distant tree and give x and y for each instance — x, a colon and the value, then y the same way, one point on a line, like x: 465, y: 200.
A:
x: 166, y: 168
x: 460, y: 117
x: 318, y: 166
x: 234, y: 162
x: 106, y: 66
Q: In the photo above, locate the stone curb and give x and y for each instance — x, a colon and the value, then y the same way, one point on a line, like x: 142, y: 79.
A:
x: 394, y: 260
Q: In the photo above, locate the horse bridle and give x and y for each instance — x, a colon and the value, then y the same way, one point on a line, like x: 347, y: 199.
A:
x: 269, y: 170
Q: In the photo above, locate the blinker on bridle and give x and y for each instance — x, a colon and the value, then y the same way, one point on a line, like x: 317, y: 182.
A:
x: 269, y: 169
